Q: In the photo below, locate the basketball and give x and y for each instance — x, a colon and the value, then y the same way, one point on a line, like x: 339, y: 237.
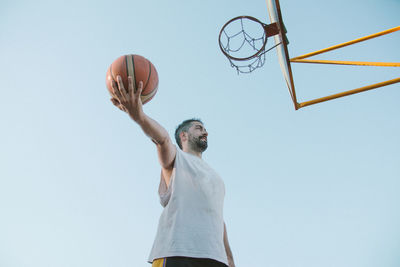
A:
x: 140, y: 68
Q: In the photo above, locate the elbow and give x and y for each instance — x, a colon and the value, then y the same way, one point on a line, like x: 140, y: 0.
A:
x: 167, y: 153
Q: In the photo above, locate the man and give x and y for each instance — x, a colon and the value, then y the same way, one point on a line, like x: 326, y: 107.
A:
x: 191, y: 230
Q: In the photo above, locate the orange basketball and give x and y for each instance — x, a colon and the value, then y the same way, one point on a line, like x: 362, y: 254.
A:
x: 140, y: 68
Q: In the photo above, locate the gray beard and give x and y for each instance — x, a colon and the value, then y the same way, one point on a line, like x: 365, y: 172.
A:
x: 198, y: 145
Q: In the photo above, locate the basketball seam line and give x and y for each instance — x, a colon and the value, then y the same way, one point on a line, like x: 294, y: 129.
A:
x: 148, y: 77
x: 126, y: 66
x: 134, y: 73
x: 149, y: 96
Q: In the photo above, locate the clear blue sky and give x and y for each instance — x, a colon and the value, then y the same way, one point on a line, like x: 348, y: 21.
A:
x: 308, y: 188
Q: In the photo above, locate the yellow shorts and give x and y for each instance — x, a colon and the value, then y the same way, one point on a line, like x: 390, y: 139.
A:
x: 159, y: 262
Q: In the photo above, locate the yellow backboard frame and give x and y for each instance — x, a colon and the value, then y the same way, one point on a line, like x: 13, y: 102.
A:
x: 285, y: 63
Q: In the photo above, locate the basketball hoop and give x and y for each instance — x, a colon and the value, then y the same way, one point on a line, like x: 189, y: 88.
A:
x: 243, y: 41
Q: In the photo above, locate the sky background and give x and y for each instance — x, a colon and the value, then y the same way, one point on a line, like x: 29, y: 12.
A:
x: 308, y: 188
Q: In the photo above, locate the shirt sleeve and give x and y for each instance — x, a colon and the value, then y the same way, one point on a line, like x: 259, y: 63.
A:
x: 164, y: 191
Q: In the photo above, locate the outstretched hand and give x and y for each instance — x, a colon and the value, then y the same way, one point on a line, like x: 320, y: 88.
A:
x: 128, y: 101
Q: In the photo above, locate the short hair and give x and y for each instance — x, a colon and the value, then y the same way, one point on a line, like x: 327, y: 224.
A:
x: 184, y: 127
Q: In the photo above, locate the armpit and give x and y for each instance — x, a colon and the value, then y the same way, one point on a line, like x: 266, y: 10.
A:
x: 164, y: 191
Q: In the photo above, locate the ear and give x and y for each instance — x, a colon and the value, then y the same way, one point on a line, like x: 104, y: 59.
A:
x: 183, y: 136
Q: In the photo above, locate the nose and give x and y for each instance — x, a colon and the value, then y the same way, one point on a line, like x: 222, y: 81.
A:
x: 205, y: 133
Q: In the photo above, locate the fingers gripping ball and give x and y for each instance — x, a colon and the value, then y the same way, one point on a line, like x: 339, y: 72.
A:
x: 140, y: 69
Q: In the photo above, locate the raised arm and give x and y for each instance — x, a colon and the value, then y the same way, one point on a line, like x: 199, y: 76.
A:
x: 130, y: 102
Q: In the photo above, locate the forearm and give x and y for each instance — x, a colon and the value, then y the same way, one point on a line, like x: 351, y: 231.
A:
x: 153, y: 129
x: 130, y: 102
x: 157, y: 133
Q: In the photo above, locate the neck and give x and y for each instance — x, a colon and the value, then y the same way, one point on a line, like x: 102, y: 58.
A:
x: 191, y: 151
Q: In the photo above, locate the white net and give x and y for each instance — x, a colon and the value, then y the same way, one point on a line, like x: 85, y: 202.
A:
x: 243, y: 41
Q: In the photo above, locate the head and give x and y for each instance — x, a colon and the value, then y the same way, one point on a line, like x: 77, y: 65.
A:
x: 193, y: 134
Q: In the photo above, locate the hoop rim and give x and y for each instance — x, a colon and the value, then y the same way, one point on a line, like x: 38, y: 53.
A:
x: 239, y: 58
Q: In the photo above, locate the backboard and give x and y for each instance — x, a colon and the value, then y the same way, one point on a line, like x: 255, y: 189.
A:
x: 281, y: 41
x: 244, y: 32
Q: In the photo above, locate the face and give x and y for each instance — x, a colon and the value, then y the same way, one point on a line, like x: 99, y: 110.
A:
x: 197, y: 137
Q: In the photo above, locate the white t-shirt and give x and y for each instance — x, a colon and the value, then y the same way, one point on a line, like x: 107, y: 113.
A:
x: 191, y: 224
